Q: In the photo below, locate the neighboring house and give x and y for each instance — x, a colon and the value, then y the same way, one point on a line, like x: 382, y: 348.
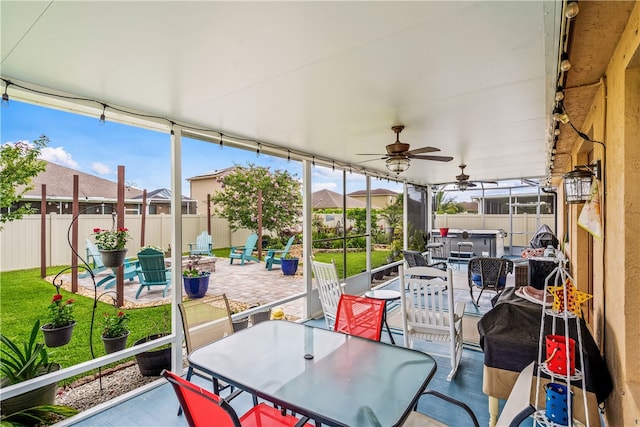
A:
x: 159, y: 202
x: 203, y: 186
x: 327, y: 199
x: 380, y: 197
x: 92, y: 191
x: 521, y: 203
x: 470, y: 207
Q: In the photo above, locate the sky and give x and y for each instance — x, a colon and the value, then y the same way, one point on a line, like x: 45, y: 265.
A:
x: 82, y: 143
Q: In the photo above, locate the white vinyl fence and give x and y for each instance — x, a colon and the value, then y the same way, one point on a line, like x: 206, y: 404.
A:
x: 20, y: 240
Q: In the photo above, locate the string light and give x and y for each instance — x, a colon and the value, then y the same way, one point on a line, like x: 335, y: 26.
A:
x: 221, y: 142
x: 333, y: 165
x: 288, y: 156
x: 102, y: 116
x: 5, y: 95
x: 313, y: 161
x: 258, y: 150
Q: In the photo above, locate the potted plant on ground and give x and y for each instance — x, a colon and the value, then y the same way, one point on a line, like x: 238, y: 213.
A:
x: 152, y: 362
x: 58, y: 330
x: 22, y: 362
x: 289, y: 265
x: 115, y: 331
x: 260, y: 316
x: 111, y: 244
x: 196, y: 282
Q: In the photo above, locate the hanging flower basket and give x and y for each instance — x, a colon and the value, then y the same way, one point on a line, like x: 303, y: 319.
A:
x: 113, y: 258
x: 57, y: 337
x: 111, y: 345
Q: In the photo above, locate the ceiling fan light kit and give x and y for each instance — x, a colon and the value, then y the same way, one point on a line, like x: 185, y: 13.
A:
x: 398, y: 154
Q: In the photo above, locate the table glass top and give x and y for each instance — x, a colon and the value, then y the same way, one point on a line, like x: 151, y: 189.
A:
x: 339, y: 379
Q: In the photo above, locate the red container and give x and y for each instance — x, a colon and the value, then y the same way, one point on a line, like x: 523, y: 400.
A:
x: 557, y: 352
x: 444, y: 232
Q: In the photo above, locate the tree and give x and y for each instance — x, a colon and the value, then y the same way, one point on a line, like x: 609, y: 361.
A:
x: 19, y: 163
x: 446, y: 205
x: 238, y: 199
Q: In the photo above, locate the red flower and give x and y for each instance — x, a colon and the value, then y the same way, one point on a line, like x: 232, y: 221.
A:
x: 120, y: 313
x: 57, y: 297
x: 96, y: 230
x: 70, y: 301
x: 123, y: 229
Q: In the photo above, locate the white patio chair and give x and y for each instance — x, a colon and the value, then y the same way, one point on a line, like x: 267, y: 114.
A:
x: 329, y: 289
x: 431, y: 316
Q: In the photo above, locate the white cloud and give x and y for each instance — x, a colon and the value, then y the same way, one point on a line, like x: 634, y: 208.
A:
x: 323, y: 185
x: 59, y: 156
x: 101, y: 168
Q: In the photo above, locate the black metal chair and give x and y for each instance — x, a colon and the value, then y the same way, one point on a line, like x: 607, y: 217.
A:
x: 488, y: 273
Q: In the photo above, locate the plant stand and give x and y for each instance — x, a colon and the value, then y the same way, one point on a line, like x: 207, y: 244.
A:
x: 57, y: 337
x: 196, y: 287
x: 111, y: 345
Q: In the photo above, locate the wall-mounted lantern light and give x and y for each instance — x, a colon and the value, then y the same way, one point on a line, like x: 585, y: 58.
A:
x: 577, y: 183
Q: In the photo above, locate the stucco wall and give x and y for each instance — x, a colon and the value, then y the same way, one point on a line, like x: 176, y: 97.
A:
x: 614, y: 118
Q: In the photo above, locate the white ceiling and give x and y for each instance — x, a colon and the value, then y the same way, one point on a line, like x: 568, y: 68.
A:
x: 326, y: 78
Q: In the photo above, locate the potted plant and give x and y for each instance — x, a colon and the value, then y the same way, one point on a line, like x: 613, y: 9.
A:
x: 196, y: 282
x: 58, y: 330
x: 239, y: 324
x: 115, y: 331
x: 111, y: 244
x: 22, y: 362
x: 289, y: 265
x: 152, y: 362
x: 260, y: 316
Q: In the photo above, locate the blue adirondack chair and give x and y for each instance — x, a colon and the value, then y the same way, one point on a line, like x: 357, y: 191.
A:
x: 130, y: 273
x: 274, y: 256
x: 202, y: 246
x: 244, y: 252
x: 152, y: 271
x: 94, y: 259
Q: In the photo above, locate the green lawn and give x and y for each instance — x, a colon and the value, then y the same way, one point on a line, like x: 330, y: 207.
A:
x: 25, y: 298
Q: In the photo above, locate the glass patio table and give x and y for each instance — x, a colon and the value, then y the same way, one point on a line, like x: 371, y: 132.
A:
x: 333, y: 378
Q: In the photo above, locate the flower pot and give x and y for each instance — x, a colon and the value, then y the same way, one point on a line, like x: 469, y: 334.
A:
x: 444, y: 231
x: 196, y: 287
x: 113, y: 258
x: 289, y: 266
x: 152, y: 362
x: 56, y: 337
x: 260, y: 316
x: 241, y: 324
x: 111, y: 345
x: 378, y: 275
x: 44, y: 395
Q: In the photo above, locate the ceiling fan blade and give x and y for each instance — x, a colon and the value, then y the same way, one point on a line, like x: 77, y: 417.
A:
x: 471, y: 184
x: 434, y: 158
x: 422, y: 150
x: 372, y: 160
x: 370, y: 154
x: 488, y: 182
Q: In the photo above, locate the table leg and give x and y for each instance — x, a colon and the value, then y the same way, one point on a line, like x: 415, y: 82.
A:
x: 493, y: 411
x: 384, y: 320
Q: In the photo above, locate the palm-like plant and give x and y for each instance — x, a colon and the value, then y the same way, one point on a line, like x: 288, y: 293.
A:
x: 21, y: 363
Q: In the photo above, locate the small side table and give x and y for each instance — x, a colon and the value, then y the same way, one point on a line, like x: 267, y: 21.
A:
x: 386, y: 295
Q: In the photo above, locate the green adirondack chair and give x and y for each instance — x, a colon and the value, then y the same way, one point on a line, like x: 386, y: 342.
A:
x: 244, y: 252
x: 202, y: 246
x: 274, y: 256
x: 152, y: 271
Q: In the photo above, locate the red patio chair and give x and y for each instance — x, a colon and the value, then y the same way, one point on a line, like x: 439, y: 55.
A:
x: 360, y: 316
x: 203, y: 408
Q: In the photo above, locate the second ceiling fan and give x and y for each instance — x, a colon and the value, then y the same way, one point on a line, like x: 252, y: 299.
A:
x: 398, y: 154
x: 462, y: 180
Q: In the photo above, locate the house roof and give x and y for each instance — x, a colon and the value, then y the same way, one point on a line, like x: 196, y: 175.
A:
x: 330, y: 199
x: 374, y: 192
x: 59, y: 182
x: 161, y: 194
x: 220, y: 173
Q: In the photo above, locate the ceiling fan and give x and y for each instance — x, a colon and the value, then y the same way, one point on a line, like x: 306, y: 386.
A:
x: 398, y: 154
x: 462, y: 180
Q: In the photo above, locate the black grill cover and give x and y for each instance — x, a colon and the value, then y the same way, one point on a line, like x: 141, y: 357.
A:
x: 543, y: 238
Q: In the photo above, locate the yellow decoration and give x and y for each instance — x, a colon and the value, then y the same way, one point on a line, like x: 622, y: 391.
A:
x: 277, y: 314
x: 575, y: 298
